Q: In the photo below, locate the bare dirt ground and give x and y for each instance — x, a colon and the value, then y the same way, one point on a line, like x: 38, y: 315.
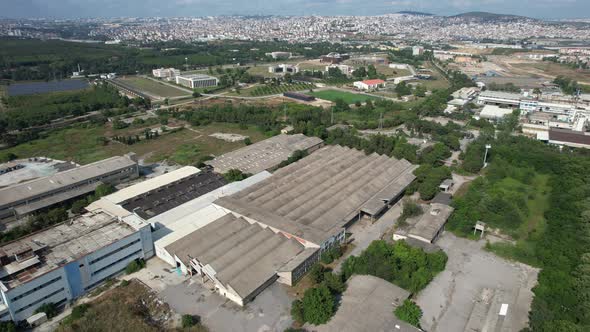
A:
x: 468, y: 294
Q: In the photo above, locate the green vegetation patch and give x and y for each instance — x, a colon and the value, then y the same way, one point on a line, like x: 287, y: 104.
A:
x: 399, y: 263
x: 347, y: 97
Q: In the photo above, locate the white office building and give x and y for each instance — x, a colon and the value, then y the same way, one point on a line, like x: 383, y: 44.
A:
x: 166, y: 72
x: 196, y: 81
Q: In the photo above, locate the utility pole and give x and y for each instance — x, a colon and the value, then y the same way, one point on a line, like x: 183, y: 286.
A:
x: 485, y: 157
x: 186, y: 63
x: 332, y: 115
x: 381, y: 121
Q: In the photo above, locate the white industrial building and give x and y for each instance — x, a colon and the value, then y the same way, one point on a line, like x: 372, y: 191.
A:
x: 494, y: 113
x: 368, y: 85
x: 195, y: 81
x: 166, y: 73
x: 283, y: 68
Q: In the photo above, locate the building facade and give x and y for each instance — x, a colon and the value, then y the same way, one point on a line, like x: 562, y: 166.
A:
x: 61, y: 263
x: 197, y: 81
x: 166, y: 72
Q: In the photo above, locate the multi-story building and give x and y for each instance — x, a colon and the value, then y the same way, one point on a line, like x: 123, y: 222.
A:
x: 61, y: 263
x: 283, y: 68
x: 195, y: 81
x: 166, y: 72
x: 28, y: 197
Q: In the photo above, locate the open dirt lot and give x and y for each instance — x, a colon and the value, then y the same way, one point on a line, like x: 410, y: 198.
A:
x: 468, y: 294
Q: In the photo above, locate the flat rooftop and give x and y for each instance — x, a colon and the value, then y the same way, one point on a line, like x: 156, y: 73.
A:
x: 56, y: 246
x: 568, y: 136
x: 15, y: 193
x: 152, y: 184
x: 315, y: 197
x: 174, y: 194
x: 241, y: 255
x: 263, y: 155
x: 367, y: 305
x: 197, y: 76
x: 431, y: 221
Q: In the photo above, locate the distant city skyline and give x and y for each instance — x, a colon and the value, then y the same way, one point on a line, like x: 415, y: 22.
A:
x: 546, y: 9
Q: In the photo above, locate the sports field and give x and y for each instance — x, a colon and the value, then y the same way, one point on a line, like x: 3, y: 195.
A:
x: 348, y: 97
x: 152, y: 87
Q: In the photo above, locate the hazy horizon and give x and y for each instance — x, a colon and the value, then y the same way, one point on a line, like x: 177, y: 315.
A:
x: 71, y: 9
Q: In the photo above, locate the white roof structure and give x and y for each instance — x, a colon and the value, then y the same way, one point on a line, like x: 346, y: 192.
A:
x: 151, y: 184
x: 492, y: 112
x: 187, y: 218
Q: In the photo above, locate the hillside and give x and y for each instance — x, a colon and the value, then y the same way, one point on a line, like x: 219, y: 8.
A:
x: 486, y: 16
x: 414, y: 13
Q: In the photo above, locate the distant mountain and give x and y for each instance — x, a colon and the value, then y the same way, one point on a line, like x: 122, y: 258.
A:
x: 410, y: 12
x: 485, y: 16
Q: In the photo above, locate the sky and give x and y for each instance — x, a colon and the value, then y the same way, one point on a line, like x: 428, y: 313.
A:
x: 552, y: 9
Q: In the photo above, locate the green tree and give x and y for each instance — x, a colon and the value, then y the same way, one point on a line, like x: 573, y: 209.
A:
x: 50, y: 309
x: 318, y: 305
x: 297, y: 311
x: 316, y: 273
x: 409, y: 312
x: 234, y: 175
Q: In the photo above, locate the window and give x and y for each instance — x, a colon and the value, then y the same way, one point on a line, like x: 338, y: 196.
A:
x: 40, y: 300
x: 115, y: 263
x: 30, y: 291
x: 114, y: 251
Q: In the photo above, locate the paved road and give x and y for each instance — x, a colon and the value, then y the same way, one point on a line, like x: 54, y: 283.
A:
x: 364, y: 237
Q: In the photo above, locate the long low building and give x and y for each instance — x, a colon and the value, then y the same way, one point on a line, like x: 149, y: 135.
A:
x: 265, y: 155
x: 61, y: 263
x: 316, y: 198
x: 239, y: 257
x: 42, y: 193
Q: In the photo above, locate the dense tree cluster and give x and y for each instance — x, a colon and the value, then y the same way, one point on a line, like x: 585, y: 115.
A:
x: 561, y: 301
x: 35, y: 110
x: 406, y: 266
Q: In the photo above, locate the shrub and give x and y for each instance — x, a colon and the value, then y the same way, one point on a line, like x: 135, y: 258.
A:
x: 8, y: 326
x: 189, y: 321
x: 135, y: 266
x: 409, y: 312
x: 79, y: 311
x: 124, y: 283
x: 48, y: 308
x: 318, y: 305
x: 411, y: 209
x: 316, y: 273
x: 297, y: 311
x: 247, y: 141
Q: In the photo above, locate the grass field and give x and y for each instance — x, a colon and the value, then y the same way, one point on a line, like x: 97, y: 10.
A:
x: 348, y: 97
x: 531, y: 229
x: 555, y: 69
x: 437, y: 81
x: 152, y: 87
x: 184, y: 147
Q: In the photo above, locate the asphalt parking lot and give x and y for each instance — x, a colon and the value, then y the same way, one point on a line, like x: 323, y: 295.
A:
x: 270, y: 311
x: 468, y: 294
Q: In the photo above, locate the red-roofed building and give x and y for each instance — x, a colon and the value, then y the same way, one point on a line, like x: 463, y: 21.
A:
x: 369, y: 84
